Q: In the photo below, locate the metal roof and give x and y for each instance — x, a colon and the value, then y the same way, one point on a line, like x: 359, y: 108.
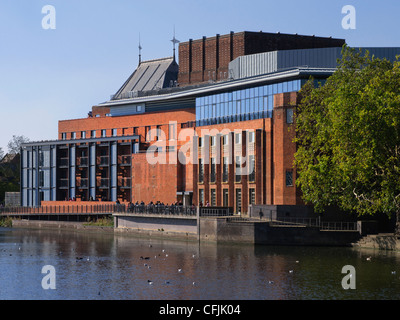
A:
x: 256, y: 69
x: 149, y: 75
x: 267, y: 62
x: 226, y: 85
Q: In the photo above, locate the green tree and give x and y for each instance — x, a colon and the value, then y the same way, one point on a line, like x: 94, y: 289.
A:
x: 348, y: 137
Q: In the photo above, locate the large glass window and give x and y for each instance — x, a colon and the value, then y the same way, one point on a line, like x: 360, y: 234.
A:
x: 240, y: 105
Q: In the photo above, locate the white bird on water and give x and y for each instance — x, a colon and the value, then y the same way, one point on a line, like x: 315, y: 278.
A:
x: 369, y: 258
x: 179, y: 270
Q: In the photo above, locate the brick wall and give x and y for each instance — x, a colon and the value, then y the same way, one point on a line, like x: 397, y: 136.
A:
x: 153, y: 182
x: 283, y: 151
x: 128, y: 123
x: 207, y: 59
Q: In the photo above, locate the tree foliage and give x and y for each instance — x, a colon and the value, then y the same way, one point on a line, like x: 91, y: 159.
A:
x: 15, y: 143
x: 348, y: 137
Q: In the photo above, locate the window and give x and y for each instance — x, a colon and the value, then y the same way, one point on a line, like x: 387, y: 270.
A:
x: 238, y: 200
x: 238, y: 108
x: 201, y: 171
x: 41, y: 179
x: 252, y: 168
x: 83, y: 134
x: 147, y: 133
x: 114, y: 132
x: 93, y: 133
x: 103, y: 133
x: 158, y: 132
x: 135, y: 130
x: 238, y: 171
x: 73, y: 135
x: 225, y: 139
x: 225, y: 197
x: 289, y: 115
x: 41, y: 159
x: 138, y: 108
x: 251, y: 135
x: 289, y: 178
x: 201, y: 197
x: 213, y: 198
x: 225, y: 170
x: 172, y: 131
x: 201, y: 142
x: 213, y: 140
x: 252, y: 196
x: 213, y: 170
x: 238, y: 138
x: 63, y: 136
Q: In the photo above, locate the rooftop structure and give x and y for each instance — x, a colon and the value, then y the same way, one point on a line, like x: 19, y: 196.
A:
x: 150, y: 75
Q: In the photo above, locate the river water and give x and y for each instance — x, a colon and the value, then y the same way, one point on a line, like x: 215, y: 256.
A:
x: 92, y: 266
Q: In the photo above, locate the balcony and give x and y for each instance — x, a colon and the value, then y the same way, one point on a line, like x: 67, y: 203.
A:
x: 103, y: 161
x: 82, y: 161
x: 103, y: 183
x: 63, y: 183
x: 124, y: 182
x: 82, y: 183
x: 124, y: 160
x: 63, y: 162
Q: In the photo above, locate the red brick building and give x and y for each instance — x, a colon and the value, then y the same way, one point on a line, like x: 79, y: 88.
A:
x: 191, y: 134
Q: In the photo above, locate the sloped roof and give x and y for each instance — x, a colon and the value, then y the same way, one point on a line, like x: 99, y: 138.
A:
x: 150, y: 75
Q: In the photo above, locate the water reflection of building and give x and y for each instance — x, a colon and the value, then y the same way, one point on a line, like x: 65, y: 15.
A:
x: 232, y: 96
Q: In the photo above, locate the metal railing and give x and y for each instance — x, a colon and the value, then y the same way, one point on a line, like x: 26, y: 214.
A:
x: 124, y: 159
x: 215, y: 211
x: 160, y: 209
x: 340, y: 225
x: 316, y: 222
x: 76, y: 208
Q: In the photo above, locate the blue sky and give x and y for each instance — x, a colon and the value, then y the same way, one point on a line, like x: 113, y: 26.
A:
x: 51, y: 75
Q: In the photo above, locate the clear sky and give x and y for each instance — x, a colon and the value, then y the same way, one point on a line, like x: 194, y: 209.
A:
x: 48, y: 75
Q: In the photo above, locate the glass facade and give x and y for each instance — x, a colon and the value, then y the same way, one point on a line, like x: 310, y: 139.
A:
x: 241, y: 105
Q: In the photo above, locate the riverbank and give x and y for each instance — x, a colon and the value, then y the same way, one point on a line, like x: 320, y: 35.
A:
x: 79, y: 226
x: 207, y: 229
x: 382, y: 241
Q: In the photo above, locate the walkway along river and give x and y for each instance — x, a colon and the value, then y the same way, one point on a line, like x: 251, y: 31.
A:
x: 202, y: 224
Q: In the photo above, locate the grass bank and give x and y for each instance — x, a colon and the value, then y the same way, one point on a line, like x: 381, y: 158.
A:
x: 6, y: 222
x: 101, y: 222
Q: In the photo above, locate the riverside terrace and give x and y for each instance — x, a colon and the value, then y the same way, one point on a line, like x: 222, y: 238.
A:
x: 215, y: 224
x: 82, y: 211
